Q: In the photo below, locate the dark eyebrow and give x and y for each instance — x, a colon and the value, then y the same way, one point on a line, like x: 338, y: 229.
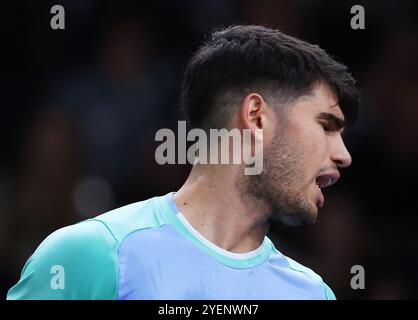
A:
x: 336, y: 122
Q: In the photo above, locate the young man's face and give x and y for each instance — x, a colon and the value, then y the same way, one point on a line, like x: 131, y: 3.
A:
x: 303, y: 157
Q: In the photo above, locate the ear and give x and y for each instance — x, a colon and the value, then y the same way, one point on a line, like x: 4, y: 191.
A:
x: 256, y: 113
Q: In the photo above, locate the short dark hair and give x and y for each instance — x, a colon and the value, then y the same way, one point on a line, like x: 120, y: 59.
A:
x: 241, y: 59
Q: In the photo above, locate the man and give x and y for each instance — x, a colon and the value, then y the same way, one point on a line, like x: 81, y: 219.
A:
x: 207, y: 240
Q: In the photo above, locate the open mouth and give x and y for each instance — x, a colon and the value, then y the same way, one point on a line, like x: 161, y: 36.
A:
x: 327, y: 179
x: 323, y: 181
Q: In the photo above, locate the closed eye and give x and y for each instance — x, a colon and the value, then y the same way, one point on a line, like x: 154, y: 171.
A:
x: 326, y: 127
x: 330, y: 122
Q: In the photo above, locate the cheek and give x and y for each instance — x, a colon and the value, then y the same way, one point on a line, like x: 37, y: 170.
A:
x: 311, y: 142
x: 316, y: 145
x: 312, y: 151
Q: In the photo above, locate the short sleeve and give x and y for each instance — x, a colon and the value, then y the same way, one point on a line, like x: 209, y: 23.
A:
x: 75, y: 262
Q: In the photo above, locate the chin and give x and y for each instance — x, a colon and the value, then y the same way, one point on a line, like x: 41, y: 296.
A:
x: 300, y: 217
x: 313, y: 216
x: 295, y: 209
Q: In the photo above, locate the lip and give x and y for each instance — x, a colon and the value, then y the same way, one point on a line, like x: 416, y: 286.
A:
x: 321, y: 198
x: 325, y: 180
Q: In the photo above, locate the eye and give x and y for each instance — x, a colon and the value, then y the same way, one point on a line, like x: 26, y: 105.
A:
x: 325, y: 126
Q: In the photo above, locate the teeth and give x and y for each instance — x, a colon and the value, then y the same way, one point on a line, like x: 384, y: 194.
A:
x: 324, y: 182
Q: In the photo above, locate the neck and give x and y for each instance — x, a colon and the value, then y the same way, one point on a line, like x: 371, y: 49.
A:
x: 212, y: 204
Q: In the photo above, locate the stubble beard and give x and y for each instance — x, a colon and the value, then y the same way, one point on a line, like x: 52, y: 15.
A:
x: 279, y: 190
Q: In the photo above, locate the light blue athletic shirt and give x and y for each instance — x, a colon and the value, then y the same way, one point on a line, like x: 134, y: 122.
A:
x: 148, y: 250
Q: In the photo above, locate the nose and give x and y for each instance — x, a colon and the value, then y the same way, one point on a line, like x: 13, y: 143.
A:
x: 339, y: 153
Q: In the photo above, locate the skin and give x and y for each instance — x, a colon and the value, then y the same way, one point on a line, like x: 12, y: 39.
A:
x: 233, y: 210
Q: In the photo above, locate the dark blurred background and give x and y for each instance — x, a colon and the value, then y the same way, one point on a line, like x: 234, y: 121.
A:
x: 80, y: 107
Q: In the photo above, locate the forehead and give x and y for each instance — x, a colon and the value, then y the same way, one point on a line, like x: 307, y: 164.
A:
x: 320, y: 99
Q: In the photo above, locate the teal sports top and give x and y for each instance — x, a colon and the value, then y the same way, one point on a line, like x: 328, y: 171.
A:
x: 148, y: 250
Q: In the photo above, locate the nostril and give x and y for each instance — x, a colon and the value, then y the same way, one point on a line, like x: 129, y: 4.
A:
x: 343, y: 163
x: 339, y: 163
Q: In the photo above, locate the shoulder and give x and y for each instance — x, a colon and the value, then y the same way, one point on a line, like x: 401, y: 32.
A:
x: 75, y: 262
x: 296, y: 266
x: 311, y: 281
x: 145, y: 214
x: 83, y: 256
